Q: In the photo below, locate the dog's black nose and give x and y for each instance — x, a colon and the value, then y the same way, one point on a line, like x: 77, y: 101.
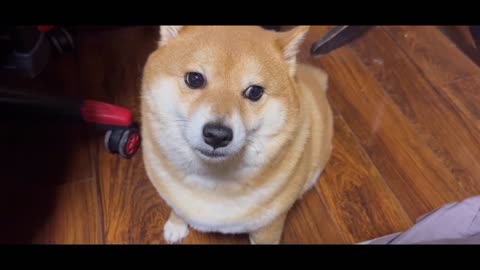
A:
x: 217, y: 135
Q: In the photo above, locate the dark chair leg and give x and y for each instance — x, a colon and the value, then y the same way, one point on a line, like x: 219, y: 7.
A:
x: 275, y: 28
x: 475, y: 32
x: 336, y: 38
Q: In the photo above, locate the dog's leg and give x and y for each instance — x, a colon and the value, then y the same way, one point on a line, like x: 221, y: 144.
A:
x: 270, y: 234
x: 175, y: 229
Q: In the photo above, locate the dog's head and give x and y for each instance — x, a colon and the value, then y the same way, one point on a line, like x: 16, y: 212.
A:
x: 217, y: 92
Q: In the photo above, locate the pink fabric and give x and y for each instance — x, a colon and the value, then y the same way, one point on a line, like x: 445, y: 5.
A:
x: 454, y: 223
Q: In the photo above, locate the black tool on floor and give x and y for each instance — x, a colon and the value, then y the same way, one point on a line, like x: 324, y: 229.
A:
x: 336, y: 38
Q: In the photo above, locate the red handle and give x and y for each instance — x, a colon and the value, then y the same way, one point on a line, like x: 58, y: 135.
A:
x: 45, y: 28
x: 106, y: 114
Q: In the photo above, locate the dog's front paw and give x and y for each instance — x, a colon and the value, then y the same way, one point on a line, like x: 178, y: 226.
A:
x: 174, y: 230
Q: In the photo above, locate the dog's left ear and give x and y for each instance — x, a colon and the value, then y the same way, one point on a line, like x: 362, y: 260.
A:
x: 169, y: 32
x: 290, y: 43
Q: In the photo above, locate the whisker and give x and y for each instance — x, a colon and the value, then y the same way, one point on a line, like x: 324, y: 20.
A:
x: 251, y: 144
x: 258, y: 140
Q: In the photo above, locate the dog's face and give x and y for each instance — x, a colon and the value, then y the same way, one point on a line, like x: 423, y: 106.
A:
x: 214, y: 93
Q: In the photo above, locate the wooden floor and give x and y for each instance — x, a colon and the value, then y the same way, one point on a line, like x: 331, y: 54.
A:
x: 407, y: 140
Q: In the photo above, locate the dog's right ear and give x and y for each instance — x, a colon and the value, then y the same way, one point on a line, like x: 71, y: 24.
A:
x: 169, y: 32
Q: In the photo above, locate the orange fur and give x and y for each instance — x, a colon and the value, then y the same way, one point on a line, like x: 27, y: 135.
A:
x: 290, y: 127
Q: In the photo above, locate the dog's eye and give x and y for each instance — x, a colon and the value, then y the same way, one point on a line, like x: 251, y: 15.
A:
x: 194, y: 80
x: 253, y: 92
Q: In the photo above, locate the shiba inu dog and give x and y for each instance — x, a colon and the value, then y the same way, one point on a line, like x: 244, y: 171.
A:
x: 234, y: 129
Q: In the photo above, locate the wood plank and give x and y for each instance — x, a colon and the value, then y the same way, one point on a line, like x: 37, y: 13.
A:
x: 432, y: 48
x: 432, y: 115
x: 465, y: 95
x: 195, y: 237
x: 436, y: 56
x: 74, y: 218
x: 410, y: 168
x: 356, y: 194
x: 133, y: 211
x: 310, y: 222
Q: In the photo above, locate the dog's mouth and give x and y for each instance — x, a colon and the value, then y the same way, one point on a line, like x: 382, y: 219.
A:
x: 212, y: 155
